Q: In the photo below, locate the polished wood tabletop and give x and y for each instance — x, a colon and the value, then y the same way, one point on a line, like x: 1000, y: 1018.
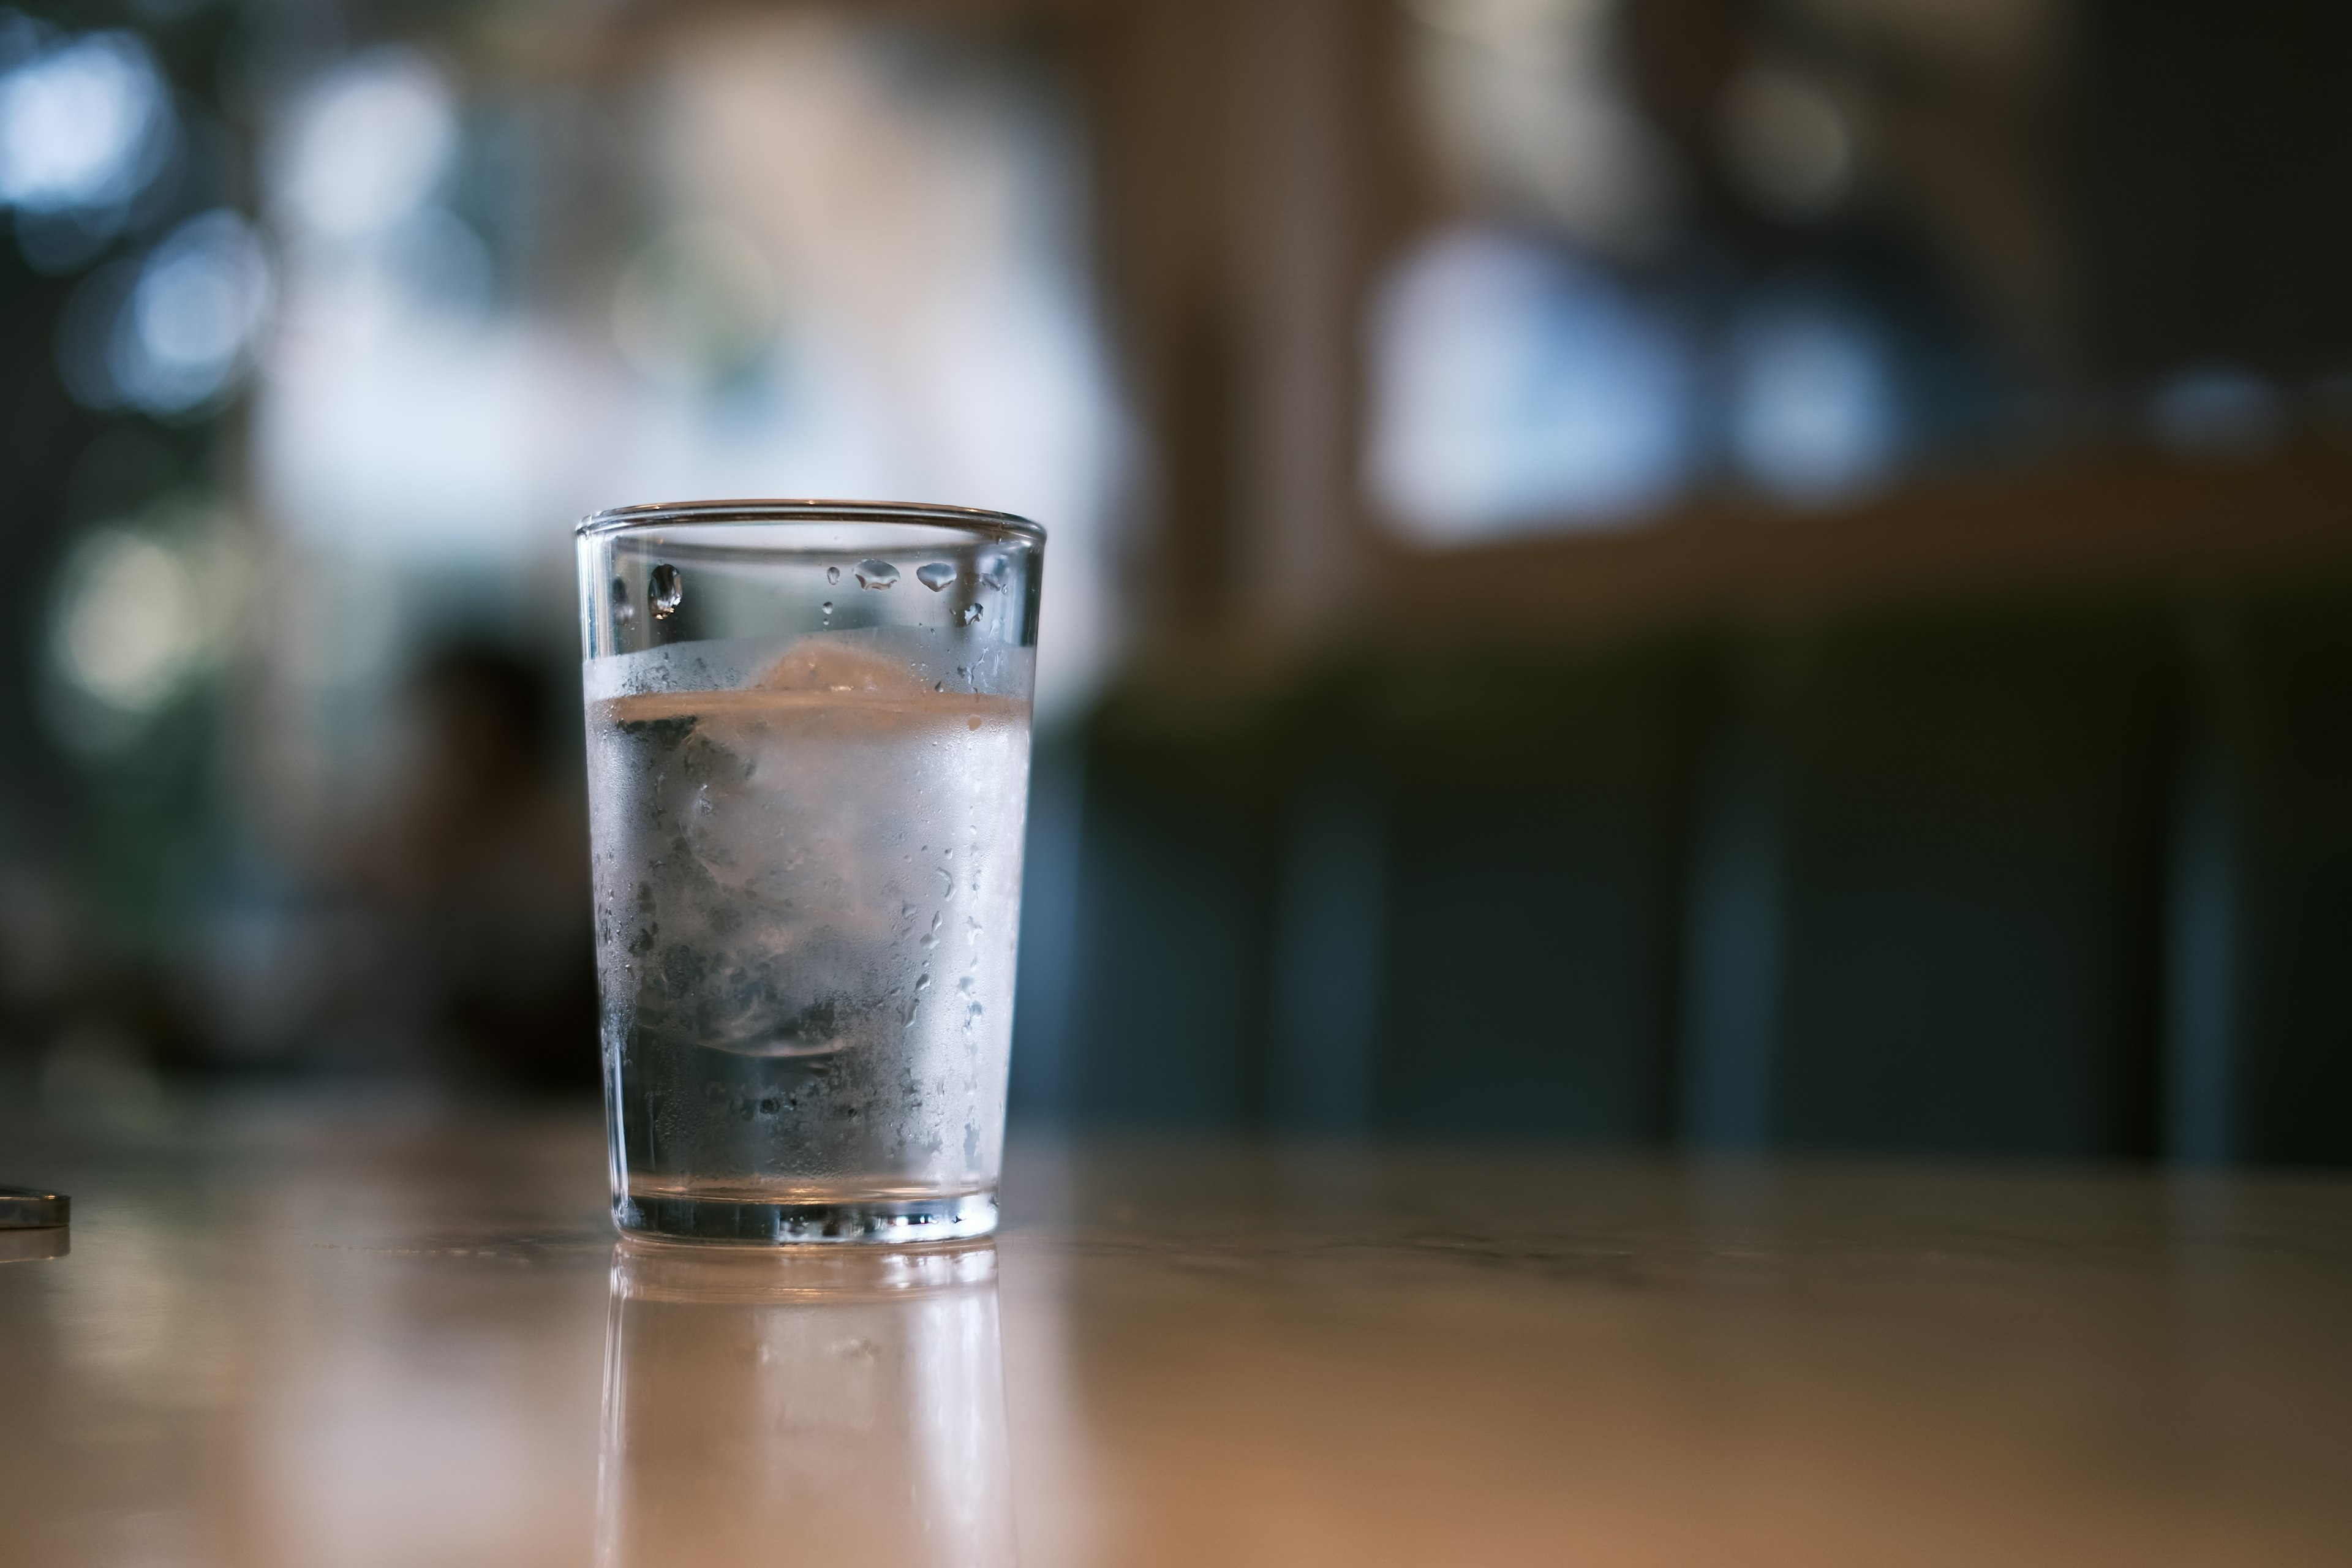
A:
x: 312, y: 1338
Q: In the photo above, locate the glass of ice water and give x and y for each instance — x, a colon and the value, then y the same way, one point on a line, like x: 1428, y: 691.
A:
x: 808, y: 768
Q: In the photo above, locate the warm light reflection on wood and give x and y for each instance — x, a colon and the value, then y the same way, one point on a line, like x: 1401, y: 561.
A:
x: 316, y: 1341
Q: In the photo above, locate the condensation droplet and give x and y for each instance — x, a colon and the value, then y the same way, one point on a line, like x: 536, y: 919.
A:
x: 828, y: 607
x: 666, y: 590
x: 832, y: 575
x: 994, y: 572
x: 936, y: 575
x: 969, y: 616
x: 922, y: 982
x: 873, y: 574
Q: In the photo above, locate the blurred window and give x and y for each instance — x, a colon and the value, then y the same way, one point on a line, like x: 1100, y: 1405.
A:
x: 794, y: 255
x: 1692, y: 249
x: 1522, y: 387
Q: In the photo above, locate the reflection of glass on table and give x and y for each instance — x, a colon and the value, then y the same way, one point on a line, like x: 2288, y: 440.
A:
x: 843, y: 1407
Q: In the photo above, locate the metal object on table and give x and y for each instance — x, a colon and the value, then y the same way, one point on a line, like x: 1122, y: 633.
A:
x: 33, y: 1225
x: 29, y: 1208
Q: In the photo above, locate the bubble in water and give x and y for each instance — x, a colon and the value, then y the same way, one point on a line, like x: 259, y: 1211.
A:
x: 832, y: 574
x: 623, y: 611
x: 935, y: 576
x: 873, y: 574
x: 667, y: 589
x: 969, y: 616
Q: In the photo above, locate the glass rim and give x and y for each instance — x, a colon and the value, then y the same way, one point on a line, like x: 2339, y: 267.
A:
x: 997, y: 526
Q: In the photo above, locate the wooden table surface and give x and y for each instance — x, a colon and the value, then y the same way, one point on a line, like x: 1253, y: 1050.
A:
x: 309, y: 1339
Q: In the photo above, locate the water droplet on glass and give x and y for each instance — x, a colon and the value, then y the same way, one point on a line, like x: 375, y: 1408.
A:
x: 922, y: 982
x: 828, y: 607
x: 832, y: 574
x: 623, y: 611
x: 873, y: 574
x: 994, y: 571
x: 967, y: 984
x: 969, y: 616
x: 936, y: 575
x: 667, y: 589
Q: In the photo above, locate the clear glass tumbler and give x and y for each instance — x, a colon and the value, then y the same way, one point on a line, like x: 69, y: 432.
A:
x: 808, y: 769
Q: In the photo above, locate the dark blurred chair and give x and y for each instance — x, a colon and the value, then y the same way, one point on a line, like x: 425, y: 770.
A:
x: 1536, y: 812
x: 1974, y: 835
x: 2070, y: 879
x: 1436, y: 899
x: 1168, y: 1007
x: 2278, y: 703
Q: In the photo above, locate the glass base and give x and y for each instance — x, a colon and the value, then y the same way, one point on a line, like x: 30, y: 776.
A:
x: 764, y: 1222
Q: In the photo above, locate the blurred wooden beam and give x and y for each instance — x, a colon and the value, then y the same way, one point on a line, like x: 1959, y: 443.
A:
x: 1250, y: 178
x: 2122, y: 524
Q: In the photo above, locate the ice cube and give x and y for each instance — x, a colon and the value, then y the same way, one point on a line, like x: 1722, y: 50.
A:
x: 825, y: 664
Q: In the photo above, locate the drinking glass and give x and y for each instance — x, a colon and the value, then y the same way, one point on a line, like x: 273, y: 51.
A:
x: 808, y: 764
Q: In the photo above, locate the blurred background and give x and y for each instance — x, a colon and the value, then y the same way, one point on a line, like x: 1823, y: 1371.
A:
x: 1741, y: 573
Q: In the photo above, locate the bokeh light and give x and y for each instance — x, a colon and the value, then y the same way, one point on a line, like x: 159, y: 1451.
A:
x: 1813, y: 415
x: 365, y: 145
x: 173, y: 332
x: 1785, y: 140
x: 2217, y: 410
x: 1516, y: 388
x: 82, y: 124
x: 131, y: 623
x: 201, y: 298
